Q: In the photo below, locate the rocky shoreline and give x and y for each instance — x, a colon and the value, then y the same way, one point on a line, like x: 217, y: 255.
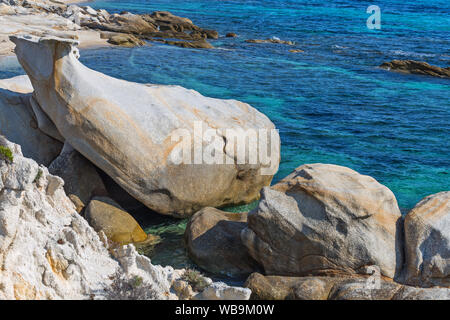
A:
x: 66, y: 232
x: 95, y: 28
x: 326, y: 232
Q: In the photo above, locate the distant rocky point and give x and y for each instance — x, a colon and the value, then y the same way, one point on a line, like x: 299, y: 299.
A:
x: 273, y: 40
x: 416, y: 67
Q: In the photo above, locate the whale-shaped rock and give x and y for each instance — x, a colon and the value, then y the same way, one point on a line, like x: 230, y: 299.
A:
x: 140, y: 134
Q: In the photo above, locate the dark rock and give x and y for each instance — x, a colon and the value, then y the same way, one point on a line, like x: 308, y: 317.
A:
x: 198, y: 44
x: 416, y: 67
x: 231, y: 35
x: 213, y: 241
x: 81, y: 180
x: 276, y: 41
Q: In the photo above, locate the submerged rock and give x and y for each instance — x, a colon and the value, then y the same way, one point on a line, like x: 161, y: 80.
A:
x: 122, y: 23
x: 427, y: 242
x: 214, y: 243
x: 139, y: 134
x: 325, y: 219
x: 104, y: 214
x: 273, y: 40
x: 198, y: 44
x: 49, y: 251
x: 416, y: 67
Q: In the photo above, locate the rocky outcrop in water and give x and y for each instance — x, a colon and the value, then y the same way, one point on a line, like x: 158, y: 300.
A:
x: 97, y: 27
x: 427, y: 242
x: 325, y: 219
x: 273, y: 41
x: 123, y: 40
x: 127, y: 130
x: 214, y: 243
x: 416, y: 67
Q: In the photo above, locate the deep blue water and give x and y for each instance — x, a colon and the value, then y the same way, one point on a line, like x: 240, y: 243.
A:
x: 331, y: 103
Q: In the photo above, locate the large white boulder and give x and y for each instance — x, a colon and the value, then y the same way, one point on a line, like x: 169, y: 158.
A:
x: 326, y: 219
x: 129, y: 130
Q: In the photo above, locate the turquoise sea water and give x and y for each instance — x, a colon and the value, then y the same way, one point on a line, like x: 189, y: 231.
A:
x: 331, y: 103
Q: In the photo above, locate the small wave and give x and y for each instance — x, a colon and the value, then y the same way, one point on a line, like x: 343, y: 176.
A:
x: 335, y: 46
x: 412, y: 54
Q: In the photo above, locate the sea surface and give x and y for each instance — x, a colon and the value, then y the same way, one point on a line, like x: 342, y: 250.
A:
x: 330, y: 103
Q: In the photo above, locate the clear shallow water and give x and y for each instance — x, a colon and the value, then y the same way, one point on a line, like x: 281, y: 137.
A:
x: 331, y: 103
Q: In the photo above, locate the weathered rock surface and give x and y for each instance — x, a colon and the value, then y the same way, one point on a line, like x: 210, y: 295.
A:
x: 16, y: 112
x: 159, y: 24
x: 104, y: 214
x: 325, y: 219
x: 47, y: 250
x: 124, y: 40
x: 416, y: 67
x: 337, y: 288
x: 427, y: 242
x: 127, y: 130
x: 197, y: 44
x: 122, y: 23
x: 80, y: 176
x: 213, y: 241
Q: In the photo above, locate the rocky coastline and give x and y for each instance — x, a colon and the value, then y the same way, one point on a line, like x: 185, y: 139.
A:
x: 324, y: 232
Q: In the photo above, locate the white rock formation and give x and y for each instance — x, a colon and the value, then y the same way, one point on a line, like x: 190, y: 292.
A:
x: 47, y: 250
x: 427, y: 242
x: 126, y: 129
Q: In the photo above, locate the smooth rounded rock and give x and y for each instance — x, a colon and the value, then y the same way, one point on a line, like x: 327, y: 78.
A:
x: 427, y: 242
x: 325, y: 219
